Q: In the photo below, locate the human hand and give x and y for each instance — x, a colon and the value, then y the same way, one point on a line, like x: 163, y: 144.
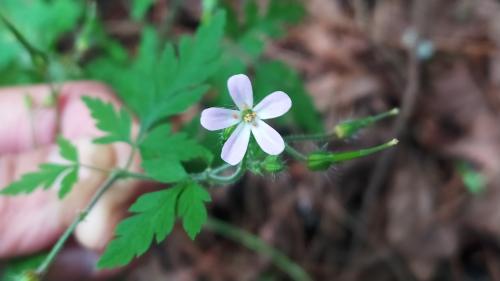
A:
x: 32, y: 223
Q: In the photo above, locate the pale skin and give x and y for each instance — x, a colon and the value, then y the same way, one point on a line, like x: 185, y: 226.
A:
x: 32, y: 223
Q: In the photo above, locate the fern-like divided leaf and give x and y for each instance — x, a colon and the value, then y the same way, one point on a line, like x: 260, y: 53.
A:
x: 116, y: 124
x: 154, y: 218
x: 49, y: 173
x: 162, y: 82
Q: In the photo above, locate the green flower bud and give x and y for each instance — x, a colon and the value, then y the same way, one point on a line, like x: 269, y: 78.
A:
x: 349, y: 128
x: 319, y: 161
x: 323, y: 160
x: 272, y: 164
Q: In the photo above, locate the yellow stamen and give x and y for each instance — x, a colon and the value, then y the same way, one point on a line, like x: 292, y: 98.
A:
x: 249, y: 116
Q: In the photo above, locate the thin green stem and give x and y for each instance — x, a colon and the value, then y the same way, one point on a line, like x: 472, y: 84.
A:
x: 139, y: 176
x: 234, y: 177
x: 349, y: 155
x: 312, y: 137
x: 252, y: 242
x: 35, y: 54
x: 90, y: 167
x: 105, y: 186
x: 42, y: 269
x: 28, y: 103
x: 221, y: 168
x: 295, y: 153
x: 211, y: 175
x: 131, y: 156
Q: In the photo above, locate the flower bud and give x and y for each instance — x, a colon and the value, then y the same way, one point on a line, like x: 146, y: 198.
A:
x: 349, y: 128
x: 319, y: 161
x: 323, y: 160
x: 272, y: 164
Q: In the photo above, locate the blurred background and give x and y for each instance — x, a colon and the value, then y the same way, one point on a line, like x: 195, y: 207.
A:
x: 428, y: 209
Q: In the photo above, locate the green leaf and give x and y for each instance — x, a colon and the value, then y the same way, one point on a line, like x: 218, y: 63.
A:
x: 163, y: 153
x: 42, y: 22
x: 271, y: 23
x: 191, y: 208
x: 68, y: 182
x: 154, y: 218
x: 28, y: 183
x: 67, y: 150
x: 161, y: 82
x: 164, y: 169
x: 117, y: 124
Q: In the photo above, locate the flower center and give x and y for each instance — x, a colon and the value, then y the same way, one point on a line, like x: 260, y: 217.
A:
x: 249, y: 115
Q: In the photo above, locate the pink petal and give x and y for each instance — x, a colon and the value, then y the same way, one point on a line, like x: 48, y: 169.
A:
x: 240, y: 89
x: 274, y: 105
x: 268, y: 139
x: 236, y: 146
x: 215, y: 118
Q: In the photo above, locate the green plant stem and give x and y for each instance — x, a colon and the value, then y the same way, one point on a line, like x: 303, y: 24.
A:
x: 295, y: 153
x: 214, y: 178
x: 312, y: 137
x: 211, y: 175
x: 43, y: 268
x: 93, y: 168
x: 344, y: 156
x: 140, y: 176
x: 35, y: 54
x: 252, y: 242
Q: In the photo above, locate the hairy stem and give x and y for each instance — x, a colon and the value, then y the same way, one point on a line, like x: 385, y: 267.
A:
x: 211, y: 175
x: 295, y: 153
x: 252, y: 242
x: 311, y: 137
x: 43, y: 268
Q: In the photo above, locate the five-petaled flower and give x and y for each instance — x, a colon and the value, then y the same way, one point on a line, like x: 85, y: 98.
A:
x: 249, y: 119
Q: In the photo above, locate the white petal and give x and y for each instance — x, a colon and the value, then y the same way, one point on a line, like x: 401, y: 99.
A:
x: 236, y: 146
x: 268, y: 139
x: 215, y: 118
x: 240, y: 89
x: 274, y: 105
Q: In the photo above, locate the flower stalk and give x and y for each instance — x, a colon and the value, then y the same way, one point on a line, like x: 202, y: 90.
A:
x: 49, y: 260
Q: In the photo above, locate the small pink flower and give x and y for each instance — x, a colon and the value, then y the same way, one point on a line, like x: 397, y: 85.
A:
x: 249, y: 119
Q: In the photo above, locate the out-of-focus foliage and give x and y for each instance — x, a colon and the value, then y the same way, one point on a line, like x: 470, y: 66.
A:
x: 42, y: 23
x: 158, y: 81
x: 473, y: 180
x: 244, y: 53
x: 17, y: 269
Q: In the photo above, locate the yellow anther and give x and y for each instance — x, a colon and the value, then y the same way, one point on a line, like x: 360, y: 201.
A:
x: 249, y: 116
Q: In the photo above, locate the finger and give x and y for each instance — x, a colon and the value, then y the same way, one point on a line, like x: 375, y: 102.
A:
x: 23, y: 126
x: 27, y: 223
x: 30, y: 223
